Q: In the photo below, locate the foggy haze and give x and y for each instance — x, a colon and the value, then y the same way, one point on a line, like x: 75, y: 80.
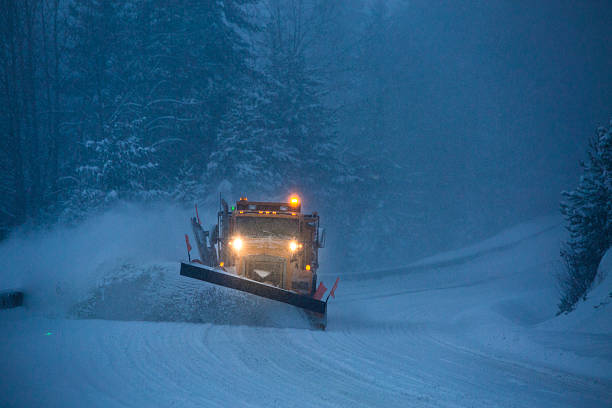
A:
x: 326, y: 203
x: 431, y: 123
x: 490, y: 106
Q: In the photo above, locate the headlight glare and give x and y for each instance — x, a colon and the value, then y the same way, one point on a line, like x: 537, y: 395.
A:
x: 237, y: 244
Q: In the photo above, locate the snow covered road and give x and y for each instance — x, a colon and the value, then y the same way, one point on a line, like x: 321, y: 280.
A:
x: 464, y: 329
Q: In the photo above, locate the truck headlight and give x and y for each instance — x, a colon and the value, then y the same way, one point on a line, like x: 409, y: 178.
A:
x: 293, y: 246
x: 236, y: 244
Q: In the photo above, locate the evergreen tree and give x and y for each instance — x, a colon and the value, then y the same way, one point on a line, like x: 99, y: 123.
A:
x: 95, y: 64
x: 242, y: 156
x: 300, y: 128
x: 278, y: 134
x: 200, y: 61
x: 588, y: 212
x: 159, y: 83
x: 117, y: 168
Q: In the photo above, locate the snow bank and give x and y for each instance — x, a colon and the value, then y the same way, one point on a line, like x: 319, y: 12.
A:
x: 505, y: 240
x: 124, y: 265
x: 593, y: 315
x: 57, y: 268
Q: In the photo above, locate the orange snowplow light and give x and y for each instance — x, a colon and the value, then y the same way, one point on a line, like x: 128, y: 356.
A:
x: 221, y: 264
x: 294, y: 201
x: 307, y: 267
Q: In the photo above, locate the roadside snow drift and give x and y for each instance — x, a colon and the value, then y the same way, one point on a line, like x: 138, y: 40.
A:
x: 109, y: 322
x: 593, y: 315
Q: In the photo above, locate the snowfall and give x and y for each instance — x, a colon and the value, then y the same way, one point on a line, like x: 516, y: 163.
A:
x: 108, y: 321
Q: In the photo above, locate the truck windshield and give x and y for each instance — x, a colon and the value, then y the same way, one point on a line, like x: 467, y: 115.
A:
x: 261, y: 227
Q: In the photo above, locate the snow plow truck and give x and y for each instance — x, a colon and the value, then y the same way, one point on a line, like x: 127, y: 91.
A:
x: 268, y: 249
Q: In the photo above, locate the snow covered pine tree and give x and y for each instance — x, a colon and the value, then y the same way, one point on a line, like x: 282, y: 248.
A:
x: 588, y: 212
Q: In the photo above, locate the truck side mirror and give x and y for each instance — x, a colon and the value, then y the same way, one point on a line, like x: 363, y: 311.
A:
x: 321, y: 237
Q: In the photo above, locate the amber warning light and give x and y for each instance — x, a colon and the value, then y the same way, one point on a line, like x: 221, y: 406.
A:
x: 294, y: 201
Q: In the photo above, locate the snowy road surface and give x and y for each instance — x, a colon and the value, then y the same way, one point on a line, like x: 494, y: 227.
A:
x: 470, y: 328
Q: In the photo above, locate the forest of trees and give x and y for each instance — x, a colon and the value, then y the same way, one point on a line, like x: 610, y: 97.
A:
x: 114, y: 100
x: 110, y: 100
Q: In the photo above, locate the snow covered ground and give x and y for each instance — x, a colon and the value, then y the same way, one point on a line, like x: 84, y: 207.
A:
x: 468, y: 328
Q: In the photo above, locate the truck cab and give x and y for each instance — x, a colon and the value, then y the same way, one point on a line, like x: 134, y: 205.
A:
x: 270, y: 242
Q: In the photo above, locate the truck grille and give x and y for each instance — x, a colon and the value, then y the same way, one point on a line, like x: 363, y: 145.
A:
x: 266, y: 269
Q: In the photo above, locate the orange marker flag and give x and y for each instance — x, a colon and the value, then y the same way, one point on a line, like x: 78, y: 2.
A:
x: 198, y: 215
x: 187, y: 242
x: 320, y: 291
x: 332, y: 292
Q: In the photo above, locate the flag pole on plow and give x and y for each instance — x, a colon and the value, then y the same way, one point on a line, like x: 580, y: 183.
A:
x: 332, y: 292
x: 188, y: 247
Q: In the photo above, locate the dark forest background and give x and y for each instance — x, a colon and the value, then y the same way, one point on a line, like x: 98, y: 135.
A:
x: 412, y: 126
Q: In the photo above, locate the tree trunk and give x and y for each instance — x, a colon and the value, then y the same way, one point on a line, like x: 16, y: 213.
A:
x: 31, y: 103
x: 14, y: 50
